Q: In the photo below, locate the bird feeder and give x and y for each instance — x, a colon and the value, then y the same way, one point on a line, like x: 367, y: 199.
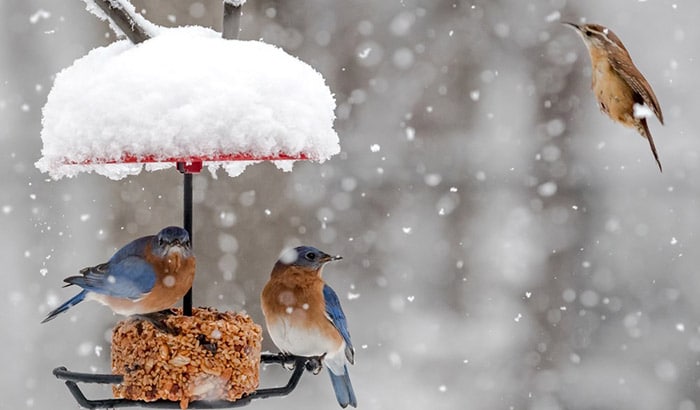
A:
x: 184, y: 98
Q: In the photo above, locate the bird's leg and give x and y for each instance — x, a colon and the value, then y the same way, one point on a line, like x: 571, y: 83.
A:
x: 157, y: 319
x: 315, y: 364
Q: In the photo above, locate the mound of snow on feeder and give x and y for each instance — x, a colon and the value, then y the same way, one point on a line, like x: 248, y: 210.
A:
x: 186, y: 94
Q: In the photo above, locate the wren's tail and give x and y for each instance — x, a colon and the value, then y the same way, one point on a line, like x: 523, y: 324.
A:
x: 644, y: 130
x: 343, y: 389
x: 67, y: 305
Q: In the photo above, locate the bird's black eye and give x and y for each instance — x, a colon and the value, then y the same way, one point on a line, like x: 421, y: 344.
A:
x: 310, y: 256
x: 588, y: 32
x: 161, y: 241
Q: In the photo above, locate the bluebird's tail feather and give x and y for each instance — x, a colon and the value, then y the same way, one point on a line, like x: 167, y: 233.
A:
x: 67, y: 305
x: 343, y: 388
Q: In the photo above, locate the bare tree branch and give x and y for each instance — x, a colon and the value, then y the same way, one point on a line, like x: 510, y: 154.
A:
x: 124, y: 20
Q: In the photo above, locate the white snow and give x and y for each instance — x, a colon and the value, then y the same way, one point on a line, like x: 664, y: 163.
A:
x: 39, y: 15
x: 642, y: 111
x: 410, y: 133
x: 552, y: 17
x: 185, y: 93
x: 547, y: 189
x: 150, y: 28
x: 235, y: 3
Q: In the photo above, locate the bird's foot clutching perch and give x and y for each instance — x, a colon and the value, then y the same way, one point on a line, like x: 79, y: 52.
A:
x: 157, y: 319
x: 315, y: 364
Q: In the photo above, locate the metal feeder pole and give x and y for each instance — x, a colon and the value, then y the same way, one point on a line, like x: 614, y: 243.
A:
x: 187, y: 169
x: 187, y: 215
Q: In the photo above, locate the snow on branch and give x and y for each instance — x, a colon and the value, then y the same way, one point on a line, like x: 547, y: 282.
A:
x: 123, y: 19
x: 185, y: 93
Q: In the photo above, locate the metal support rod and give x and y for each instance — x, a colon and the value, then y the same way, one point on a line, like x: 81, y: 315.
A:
x: 187, y: 222
x: 232, y: 21
x: 187, y: 169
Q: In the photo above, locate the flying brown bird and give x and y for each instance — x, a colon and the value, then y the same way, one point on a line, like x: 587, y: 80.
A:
x: 619, y: 87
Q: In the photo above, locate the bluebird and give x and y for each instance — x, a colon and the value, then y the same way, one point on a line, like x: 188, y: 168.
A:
x: 304, y: 317
x: 147, y: 275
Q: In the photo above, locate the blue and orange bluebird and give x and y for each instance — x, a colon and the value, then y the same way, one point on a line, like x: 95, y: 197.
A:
x: 304, y: 317
x: 147, y: 275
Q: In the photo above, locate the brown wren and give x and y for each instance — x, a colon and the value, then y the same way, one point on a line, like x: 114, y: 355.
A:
x: 617, y: 83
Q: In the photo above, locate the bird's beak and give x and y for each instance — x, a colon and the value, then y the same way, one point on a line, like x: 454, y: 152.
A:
x: 176, y: 243
x: 328, y: 258
x: 574, y: 25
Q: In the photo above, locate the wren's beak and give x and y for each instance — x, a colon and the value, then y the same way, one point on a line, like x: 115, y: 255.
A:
x: 328, y: 258
x: 576, y: 26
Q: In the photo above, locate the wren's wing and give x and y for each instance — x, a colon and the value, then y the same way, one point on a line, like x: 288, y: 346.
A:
x: 622, y: 63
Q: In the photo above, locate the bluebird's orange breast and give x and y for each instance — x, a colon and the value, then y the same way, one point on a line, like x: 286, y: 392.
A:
x: 174, y: 277
x: 295, y: 314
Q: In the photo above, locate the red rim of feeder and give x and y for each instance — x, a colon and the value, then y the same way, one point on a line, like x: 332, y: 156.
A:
x: 191, y: 164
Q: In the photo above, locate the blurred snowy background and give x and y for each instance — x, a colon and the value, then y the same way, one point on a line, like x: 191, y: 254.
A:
x: 506, y: 245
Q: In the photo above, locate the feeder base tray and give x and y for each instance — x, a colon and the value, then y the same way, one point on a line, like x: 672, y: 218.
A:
x: 299, y: 364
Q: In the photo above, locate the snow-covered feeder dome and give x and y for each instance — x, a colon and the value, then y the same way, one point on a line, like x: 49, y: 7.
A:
x: 186, y: 94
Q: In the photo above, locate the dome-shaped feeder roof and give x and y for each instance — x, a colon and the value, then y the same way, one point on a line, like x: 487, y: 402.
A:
x: 185, y: 95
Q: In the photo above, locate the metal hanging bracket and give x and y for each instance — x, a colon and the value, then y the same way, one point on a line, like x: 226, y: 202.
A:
x: 298, y: 364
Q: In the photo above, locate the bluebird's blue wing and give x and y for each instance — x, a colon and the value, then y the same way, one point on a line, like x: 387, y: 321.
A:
x: 137, y: 247
x: 130, y: 277
x: 337, y: 317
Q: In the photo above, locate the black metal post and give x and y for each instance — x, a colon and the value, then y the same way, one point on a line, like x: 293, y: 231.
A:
x: 187, y: 216
x: 232, y: 20
x: 187, y: 169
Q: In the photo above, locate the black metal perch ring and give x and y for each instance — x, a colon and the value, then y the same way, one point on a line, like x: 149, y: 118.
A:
x: 72, y: 379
